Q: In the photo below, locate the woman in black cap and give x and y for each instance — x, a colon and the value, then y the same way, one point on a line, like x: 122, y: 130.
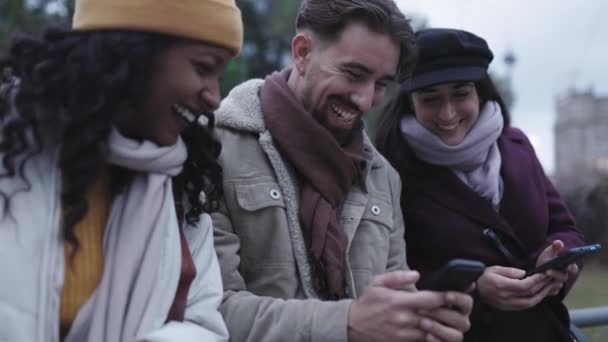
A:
x: 474, y: 188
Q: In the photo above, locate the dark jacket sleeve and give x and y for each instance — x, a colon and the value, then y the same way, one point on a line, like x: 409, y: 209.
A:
x: 561, y: 222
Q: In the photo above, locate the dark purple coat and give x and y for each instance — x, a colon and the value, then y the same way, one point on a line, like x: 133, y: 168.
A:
x: 445, y: 219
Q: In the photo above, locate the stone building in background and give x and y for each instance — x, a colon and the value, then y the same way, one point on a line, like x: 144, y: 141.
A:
x: 581, y: 140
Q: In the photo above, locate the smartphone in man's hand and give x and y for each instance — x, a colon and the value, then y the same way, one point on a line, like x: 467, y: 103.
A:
x: 456, y: 275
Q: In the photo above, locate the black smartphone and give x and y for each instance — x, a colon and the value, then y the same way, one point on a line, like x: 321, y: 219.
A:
x: 456, y: 275
x: 565, y: 258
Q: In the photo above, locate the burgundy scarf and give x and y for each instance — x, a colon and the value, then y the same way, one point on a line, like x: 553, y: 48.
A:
x: 177, y: 312
x: 328, y: 171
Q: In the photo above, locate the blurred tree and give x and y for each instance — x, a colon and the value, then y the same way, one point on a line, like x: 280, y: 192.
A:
x: 31, y: 16
x: 269, y: 27
x: 590, y: 209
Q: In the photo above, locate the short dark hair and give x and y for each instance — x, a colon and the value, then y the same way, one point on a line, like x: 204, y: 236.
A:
x: 328, y: 18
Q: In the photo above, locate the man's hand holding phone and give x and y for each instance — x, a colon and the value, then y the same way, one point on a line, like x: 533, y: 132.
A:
x: 387, y: 312
x: 457, y: 275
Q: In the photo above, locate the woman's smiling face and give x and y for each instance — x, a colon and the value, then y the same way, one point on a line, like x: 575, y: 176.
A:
x: 448, y: 110
x: 186, y: 81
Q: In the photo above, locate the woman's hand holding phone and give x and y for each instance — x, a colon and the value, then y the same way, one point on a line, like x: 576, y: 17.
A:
x: 515, y: 289
x: 504, y: 288
x: 558, y: 276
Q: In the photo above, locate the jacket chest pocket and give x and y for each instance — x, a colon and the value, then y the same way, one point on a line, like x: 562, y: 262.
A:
x: 262, y: 225
x: 257, y: 196
x: 370, y: 246
x: 379, y: 212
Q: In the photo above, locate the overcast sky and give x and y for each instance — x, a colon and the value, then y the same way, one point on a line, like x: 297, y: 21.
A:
x: 559, y: 44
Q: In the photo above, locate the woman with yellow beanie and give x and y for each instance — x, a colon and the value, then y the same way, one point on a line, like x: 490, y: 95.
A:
x: 107, y: 169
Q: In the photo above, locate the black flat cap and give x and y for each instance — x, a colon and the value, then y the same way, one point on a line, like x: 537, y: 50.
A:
x: 448, y: 55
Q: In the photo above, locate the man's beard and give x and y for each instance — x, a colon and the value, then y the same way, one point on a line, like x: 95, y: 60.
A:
x: 342, y: 135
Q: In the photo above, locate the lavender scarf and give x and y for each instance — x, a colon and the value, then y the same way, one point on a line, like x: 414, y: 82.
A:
x: 476, y: 160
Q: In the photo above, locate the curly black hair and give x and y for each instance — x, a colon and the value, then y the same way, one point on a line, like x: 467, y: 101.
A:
x: 70, y: 87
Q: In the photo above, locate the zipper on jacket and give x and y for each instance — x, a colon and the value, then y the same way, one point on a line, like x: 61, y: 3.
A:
x: 497, y: 242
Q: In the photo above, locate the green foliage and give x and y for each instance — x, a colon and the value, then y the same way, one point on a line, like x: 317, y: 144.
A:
x: 23, y: 16
x: 590, y: 209
x: 269, y: 27
x: 590, y: 290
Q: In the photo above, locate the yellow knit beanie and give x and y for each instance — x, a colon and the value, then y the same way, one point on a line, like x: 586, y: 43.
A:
x: 212, y: 21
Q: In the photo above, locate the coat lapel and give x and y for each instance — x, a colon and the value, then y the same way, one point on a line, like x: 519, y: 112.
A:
x: 290, y: 191
x: 441, y: 184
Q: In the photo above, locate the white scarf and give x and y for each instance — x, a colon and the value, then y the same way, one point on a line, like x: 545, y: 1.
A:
x: 476, y: 160
x: 127, y: 301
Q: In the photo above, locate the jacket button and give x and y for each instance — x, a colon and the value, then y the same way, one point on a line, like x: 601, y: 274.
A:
x: 376, y: 210
x: 203, y: 120
x: 275, y: 194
